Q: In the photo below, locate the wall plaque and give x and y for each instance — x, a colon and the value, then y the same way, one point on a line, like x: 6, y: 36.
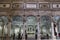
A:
x: 17, y: 5
x: 31, y: 6
x: 4, y: 5
x: 44, y: 6
x: 56, y: 5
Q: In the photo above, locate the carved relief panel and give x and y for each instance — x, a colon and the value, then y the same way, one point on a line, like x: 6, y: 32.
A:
x: 56, y: 5
x: 44, y: 6
x: 4, y: 5
x: 17, y: 5
x: 31, y: 6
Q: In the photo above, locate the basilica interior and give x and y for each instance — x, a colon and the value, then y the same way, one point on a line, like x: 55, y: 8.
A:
x: 31, y: 17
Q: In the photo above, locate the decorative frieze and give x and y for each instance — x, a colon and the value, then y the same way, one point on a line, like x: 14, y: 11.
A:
x: 43, y: 6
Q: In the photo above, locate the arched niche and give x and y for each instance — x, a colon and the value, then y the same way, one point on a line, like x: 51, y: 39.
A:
x: 31, y: 22
x: 3, y: 26
x: 17, y: 25
x: 57, y: 20
x: 45, y: 26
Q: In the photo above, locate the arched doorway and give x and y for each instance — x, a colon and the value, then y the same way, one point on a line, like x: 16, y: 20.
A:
x: 3, y: 27
x: 31, y: 26
x: 45, y: 27
x: 17, y: 26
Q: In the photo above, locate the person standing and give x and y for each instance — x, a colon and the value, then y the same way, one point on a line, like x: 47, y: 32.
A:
x: 14, y: 36
x: 25, y: 35
x: 36, y: 34
x: 47, y: 36
x: 19, y: 36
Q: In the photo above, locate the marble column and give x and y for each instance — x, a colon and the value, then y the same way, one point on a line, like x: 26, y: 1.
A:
x: 2, y: 31
x: 24, y: 31
x: 38, y: 31
x: 53, y: 36
x: 8, y: 30
x: 57, y: 31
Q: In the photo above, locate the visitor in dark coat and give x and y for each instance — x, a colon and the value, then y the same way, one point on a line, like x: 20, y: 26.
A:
x: 13, y: 36
x: 36, y: 34
x: 25, y: 35
x: 19, y: 36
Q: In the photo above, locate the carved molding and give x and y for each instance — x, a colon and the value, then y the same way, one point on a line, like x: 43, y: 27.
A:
x: 43, y: 6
